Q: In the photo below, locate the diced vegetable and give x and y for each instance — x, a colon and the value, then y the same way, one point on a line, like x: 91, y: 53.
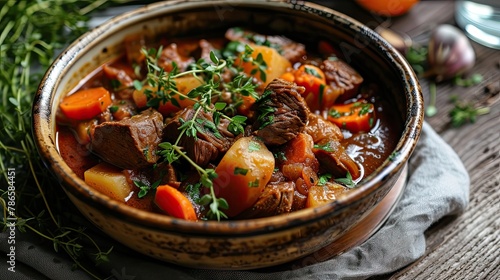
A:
x: 244, y: 108
x: 275, y: 64
x: 322, y: 194
x: 243, y: 173
x: 310, y: 77
x: 108, y: 180
x: 174, y: 203
x: 355, y: 117
x: 184, y: 85
x: 86, y: 104
x: 299, y: 150
x: 318, y: 94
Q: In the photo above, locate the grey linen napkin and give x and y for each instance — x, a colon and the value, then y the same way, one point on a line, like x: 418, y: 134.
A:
x: 437, y: 186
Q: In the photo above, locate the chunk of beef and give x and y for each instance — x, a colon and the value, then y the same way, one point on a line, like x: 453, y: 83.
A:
x: 119, y: 75
x: 282, y: 113
x: 130, y: 143
x: 210, y: 141
x: 276, y: 199
x: 289, y: 49
x: 205, y: 48
x: 319, y: 128
x: 163, y: 173
x: 328, y: 150
x: 334, y: 159
x: 342, y: 78
x: 171, y: 55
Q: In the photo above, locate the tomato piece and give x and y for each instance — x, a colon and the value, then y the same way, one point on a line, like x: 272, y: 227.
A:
x: 174, y: 203
x: 355, y: 117
x: 86, y: 104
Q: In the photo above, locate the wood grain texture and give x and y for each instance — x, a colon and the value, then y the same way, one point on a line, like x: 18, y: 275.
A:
x: 466, y: 245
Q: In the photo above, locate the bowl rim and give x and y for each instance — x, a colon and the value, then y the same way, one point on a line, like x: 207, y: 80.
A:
x: 46, y: 142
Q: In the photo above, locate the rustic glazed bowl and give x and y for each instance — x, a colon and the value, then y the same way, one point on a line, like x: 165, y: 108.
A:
x: 243, y: 244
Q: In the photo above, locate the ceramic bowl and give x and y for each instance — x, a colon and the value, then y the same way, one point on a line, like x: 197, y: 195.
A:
x: 243, y: 244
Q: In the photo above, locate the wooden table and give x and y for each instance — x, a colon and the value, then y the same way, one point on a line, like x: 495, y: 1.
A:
x: 466, y: 246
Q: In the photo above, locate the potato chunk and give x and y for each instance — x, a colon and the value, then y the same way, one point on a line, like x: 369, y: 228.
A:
x: 319, y: 195
x: 276, y: 64
x: 184, y: 85
x: 243, y: 173
x: 108, y: 180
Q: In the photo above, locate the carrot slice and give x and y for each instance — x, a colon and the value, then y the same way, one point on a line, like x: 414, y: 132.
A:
x: 244, y: 108
x: 310, y: 77
x: 86, y: 104
x: 318, y: 94
x: 174, y: 203
x: 355, y: 117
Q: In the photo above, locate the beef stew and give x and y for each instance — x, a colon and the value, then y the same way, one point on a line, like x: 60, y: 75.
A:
x: 240, y: 126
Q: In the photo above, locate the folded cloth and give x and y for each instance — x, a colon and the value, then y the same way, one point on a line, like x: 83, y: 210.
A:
x: 437, y: 186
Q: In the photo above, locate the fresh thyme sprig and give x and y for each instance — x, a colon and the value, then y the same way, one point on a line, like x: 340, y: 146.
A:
x: 31, y: 34
x: 203, y: 96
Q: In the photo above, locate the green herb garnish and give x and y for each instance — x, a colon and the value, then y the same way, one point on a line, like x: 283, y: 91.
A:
x: 145, y: 188
x: 463, y: 113
x: 202, y: 96
x: 324, y: 178
x: 347, y: 181
x: 325, y: 147
x: 240, y: 171
x: 253, y: 146
x: 31, y: 34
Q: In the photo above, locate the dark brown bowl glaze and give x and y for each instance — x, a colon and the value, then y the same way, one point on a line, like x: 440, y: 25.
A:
x: 231, y: 244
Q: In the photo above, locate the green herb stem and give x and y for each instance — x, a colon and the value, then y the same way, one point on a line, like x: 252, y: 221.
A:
x: 431, y: 108
x: 30, y: 34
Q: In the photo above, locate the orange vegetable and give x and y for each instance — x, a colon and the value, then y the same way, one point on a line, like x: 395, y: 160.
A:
x: 326, y: 48
x: 355, y: 117
x: 244, y: 108
x: 288, y: 76
x: 174, y: 203
x: 318, y: 94
x: 86, y: 104
x: 299, y: 150
x: 388, y: 7
x: 310, y: 77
